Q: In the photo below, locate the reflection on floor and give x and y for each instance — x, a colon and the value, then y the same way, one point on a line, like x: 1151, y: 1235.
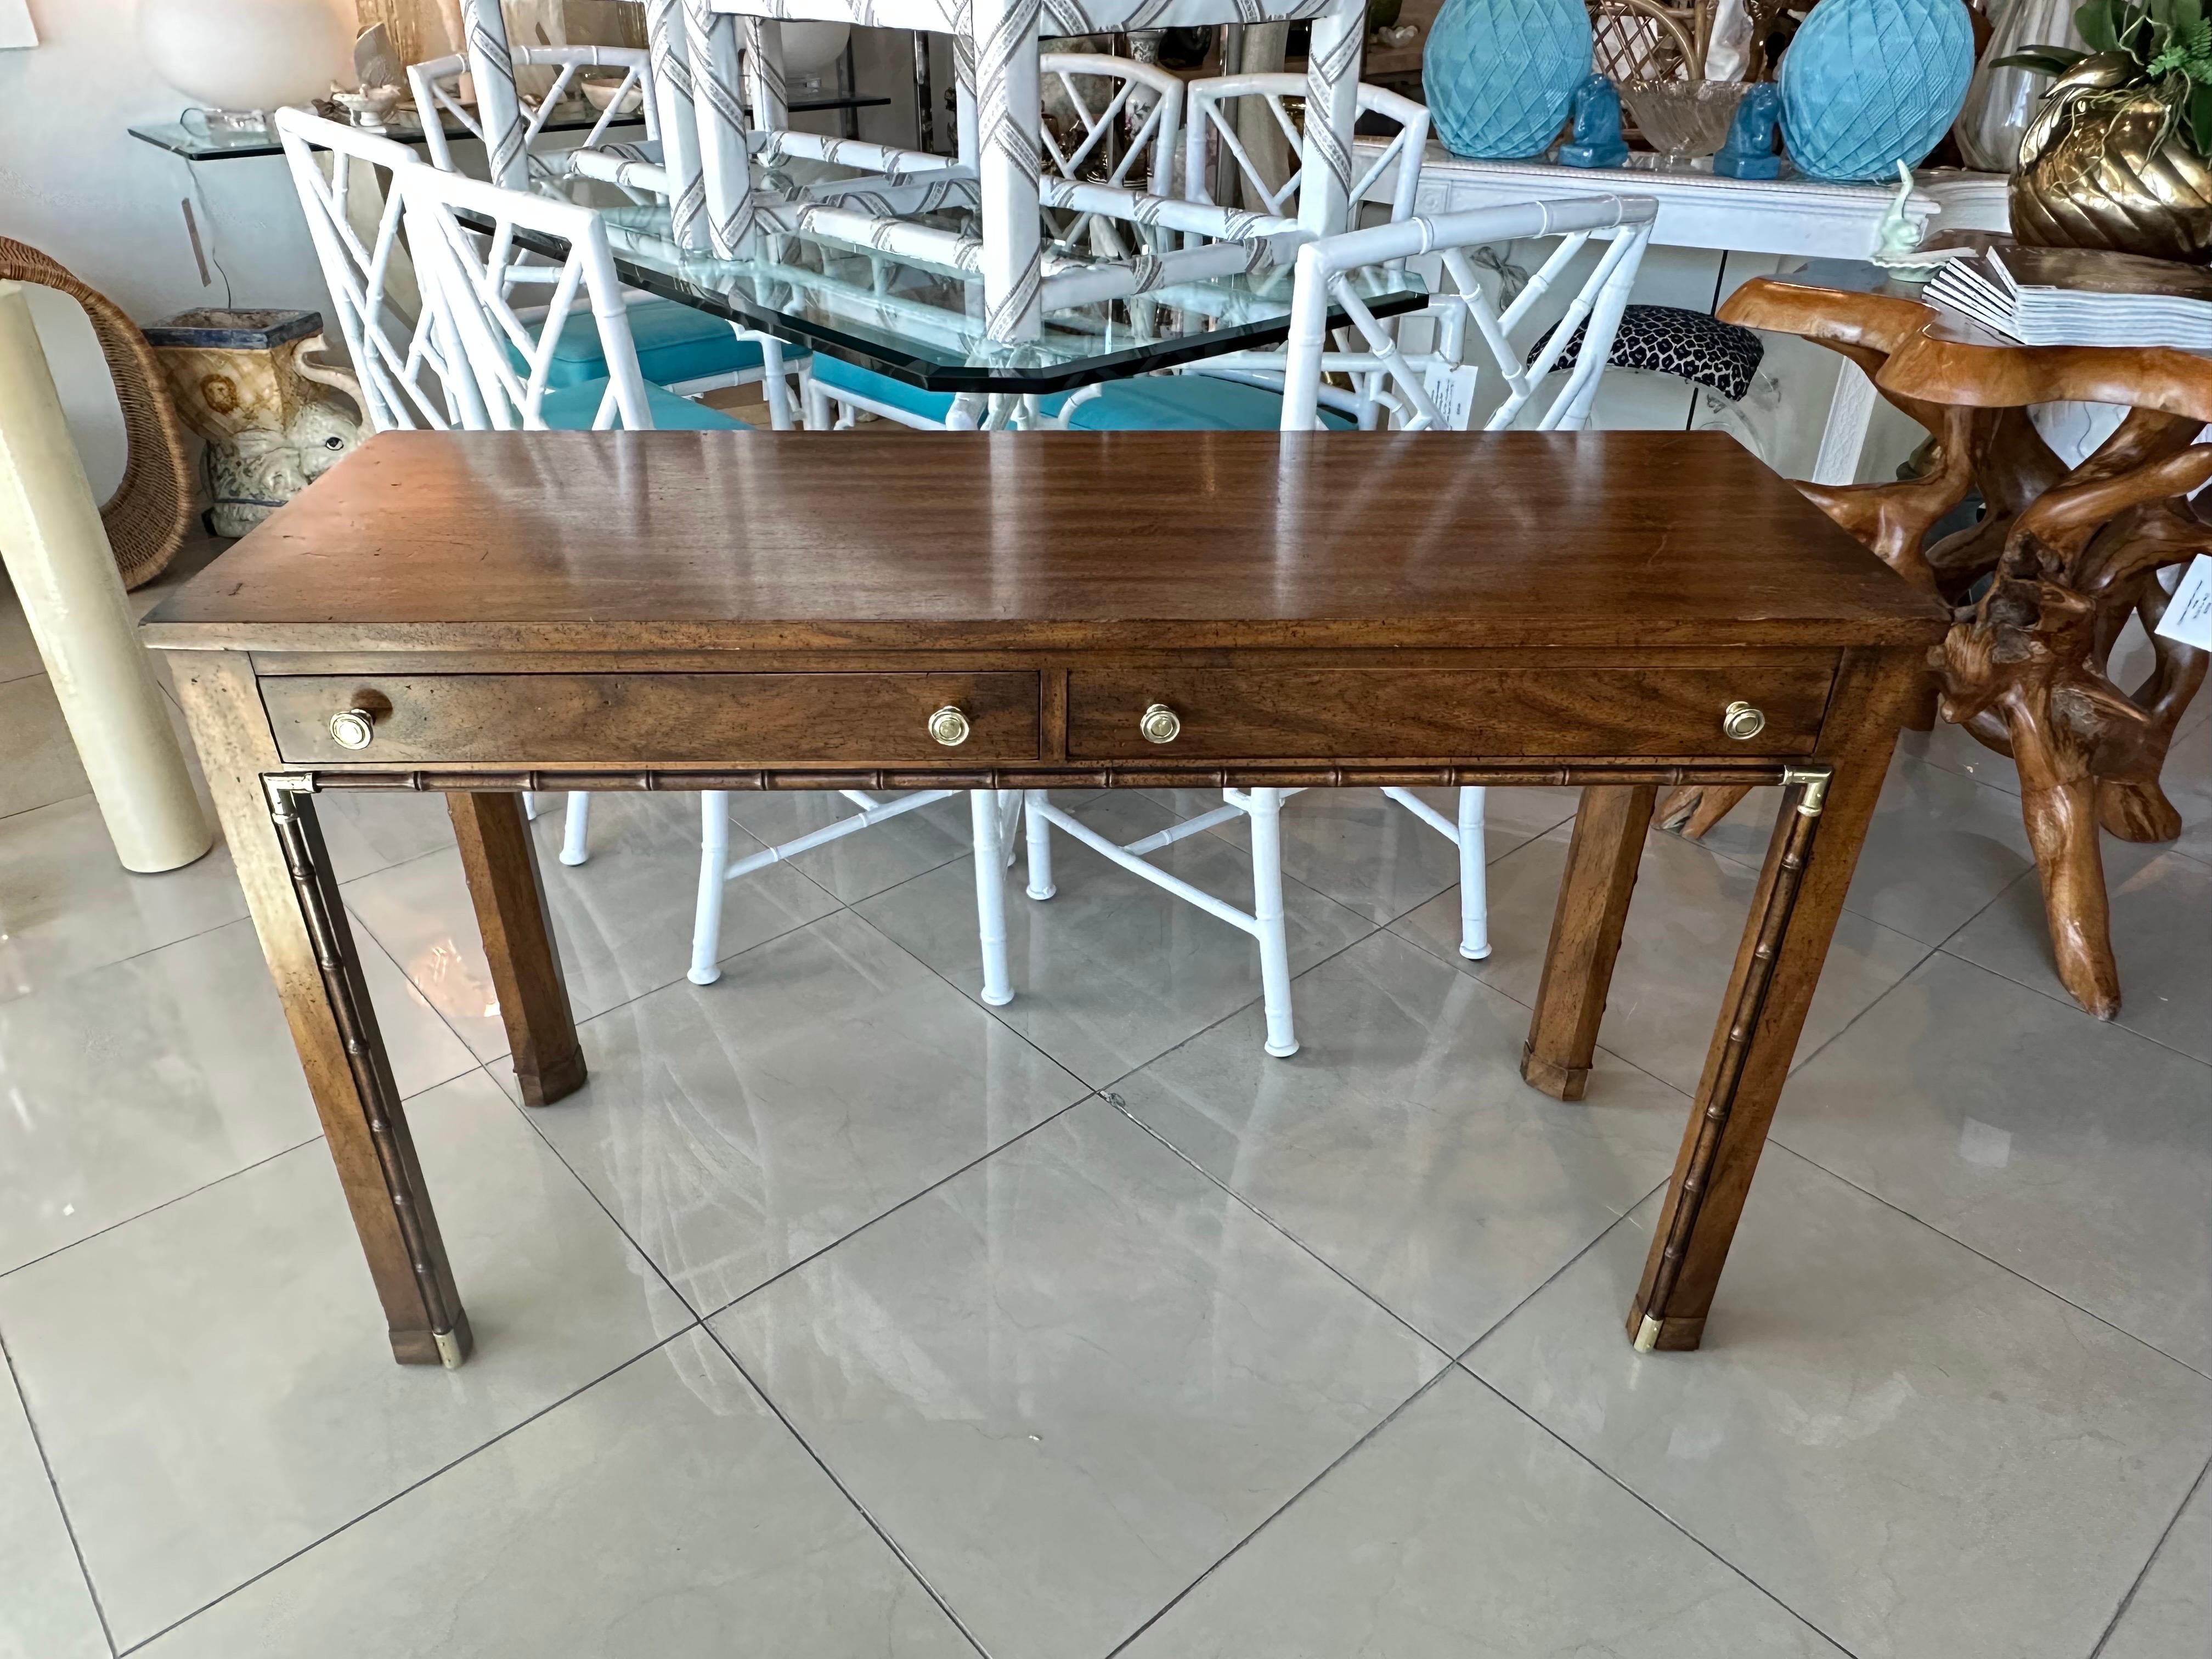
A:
x: 840, y: 1314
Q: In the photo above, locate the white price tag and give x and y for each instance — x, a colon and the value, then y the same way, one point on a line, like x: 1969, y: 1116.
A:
x: 1452, y: 391
x: 2189, y: 613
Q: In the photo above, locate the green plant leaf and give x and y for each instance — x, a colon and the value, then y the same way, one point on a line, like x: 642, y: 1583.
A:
x: 2187, y: 17
x: 2044, y: 60
x: 2200, y: 118
x: 2099, y: 24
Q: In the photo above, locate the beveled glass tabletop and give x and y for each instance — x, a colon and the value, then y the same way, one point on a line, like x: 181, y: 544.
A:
x: 923, y: 323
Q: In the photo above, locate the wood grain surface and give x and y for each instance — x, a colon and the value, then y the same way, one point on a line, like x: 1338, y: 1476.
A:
x: 1131, y: 540
x: 655, y: 720
x: 1261, y: 713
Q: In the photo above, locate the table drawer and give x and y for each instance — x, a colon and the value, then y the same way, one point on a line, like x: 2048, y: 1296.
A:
x: 1356, y: 713
x: 654, y: 719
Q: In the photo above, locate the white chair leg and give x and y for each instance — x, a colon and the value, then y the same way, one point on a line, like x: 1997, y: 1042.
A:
x: 991, y: 896
x: 530, y: 805
x: 1040, y: 845
x: 576, y: 832
x: 1473, y: 877
x: 817, y: 407
x: 714, y: 882
x: 1265, y: 813
x: 774, y: 387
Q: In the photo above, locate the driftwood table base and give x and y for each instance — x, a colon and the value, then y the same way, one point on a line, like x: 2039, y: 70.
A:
x: 2043, y: 583
x: 634, y: 620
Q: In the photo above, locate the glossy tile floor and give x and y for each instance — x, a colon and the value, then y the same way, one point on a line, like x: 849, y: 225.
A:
x: 841, y: 1316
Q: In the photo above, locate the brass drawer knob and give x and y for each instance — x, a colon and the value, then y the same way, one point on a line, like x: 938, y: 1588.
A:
x: 949, y: 726
x: 1159, y: 724
x: 1742, y: 722
x: 353, y: 728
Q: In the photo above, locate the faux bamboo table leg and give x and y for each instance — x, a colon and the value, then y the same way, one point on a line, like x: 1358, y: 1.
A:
x: 1800, y: 894
x: 277, y: 848
x: 501, y: 862
x: 1592, y: 907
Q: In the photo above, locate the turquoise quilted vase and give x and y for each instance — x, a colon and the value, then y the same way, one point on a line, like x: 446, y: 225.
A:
x: 1500, y: 74
x: 1869, y: 84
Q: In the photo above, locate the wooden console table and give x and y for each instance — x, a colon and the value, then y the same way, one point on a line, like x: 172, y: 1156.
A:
x: 486, y: 613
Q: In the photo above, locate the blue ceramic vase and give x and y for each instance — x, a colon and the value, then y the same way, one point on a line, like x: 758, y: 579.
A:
x: 1500, y: 74
x: 1869, y: 84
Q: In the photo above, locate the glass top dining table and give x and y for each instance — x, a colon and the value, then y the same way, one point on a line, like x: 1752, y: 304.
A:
x: 923, y: 323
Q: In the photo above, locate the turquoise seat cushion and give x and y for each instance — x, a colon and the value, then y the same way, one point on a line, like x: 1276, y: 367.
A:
x: 1186, y: 403
x: 572, y: 408
x: 841, y: 376
x: 674, y: 342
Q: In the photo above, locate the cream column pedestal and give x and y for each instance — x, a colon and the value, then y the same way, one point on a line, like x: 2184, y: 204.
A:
x: 57, y: 555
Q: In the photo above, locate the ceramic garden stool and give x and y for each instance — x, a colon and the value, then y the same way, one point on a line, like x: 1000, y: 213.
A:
x: 239, y: 382
x: 2044, y: 583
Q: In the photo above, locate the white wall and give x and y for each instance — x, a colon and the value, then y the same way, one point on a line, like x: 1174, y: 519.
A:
x: 74, y: 185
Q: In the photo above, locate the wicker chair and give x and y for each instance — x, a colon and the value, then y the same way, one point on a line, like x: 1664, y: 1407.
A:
x: 148, y: 515
x: 1644, y: 40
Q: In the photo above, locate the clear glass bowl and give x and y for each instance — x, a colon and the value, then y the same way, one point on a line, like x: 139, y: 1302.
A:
x: 1683, y: 120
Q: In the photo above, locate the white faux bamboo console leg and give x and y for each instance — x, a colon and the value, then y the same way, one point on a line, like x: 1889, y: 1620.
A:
x: 57, y: 555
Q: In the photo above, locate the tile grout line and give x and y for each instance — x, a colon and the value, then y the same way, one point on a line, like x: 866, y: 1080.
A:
x: 1388, y: 926
x: 2136, y: 1583
x: 2064, y: 1001
x: 1290, y: 1237
x: 386, y: 1503
x: 61, y: 1507
x: 1576, y: 1452
x: 506, y: 1055
x: 2025, y: 1279
x: 1276, y: 1513
x: 815, y: 1255
x: 179, y: 1198
x: 830, y: 1474
x: 699, y: 1323
x: 1460, y: 1362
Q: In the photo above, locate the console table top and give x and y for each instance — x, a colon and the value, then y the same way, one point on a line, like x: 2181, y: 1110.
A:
x: 687, y: 540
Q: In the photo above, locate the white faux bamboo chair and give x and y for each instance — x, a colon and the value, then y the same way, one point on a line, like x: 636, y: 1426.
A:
x: 1324, y: 269
x: 1214, y: 113
x: 839, y: 391
x: 682, y: 349
x: 467, y: 274
x: 353, y: 218
x: 435, y: 84
x: 1214, y: 393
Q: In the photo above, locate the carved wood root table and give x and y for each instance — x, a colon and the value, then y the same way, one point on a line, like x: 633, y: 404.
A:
x: 489, y: 613
x: 2068, y: 555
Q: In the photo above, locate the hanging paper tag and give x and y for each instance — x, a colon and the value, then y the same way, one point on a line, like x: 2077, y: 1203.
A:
x: 2189, y: 613
x: 1452, y: 391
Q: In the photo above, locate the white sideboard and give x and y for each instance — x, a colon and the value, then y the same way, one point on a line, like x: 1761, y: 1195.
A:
x: 1790, y: 219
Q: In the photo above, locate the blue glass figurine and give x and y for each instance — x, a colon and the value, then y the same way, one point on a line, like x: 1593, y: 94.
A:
x: 1597, y: 142
x: 1754, y: 138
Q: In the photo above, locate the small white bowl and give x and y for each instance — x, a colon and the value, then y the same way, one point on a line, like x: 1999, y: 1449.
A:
x: 601, y: 93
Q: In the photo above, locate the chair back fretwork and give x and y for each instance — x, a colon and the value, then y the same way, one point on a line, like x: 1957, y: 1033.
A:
x: 353, y: 214
x: 470, y: 271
